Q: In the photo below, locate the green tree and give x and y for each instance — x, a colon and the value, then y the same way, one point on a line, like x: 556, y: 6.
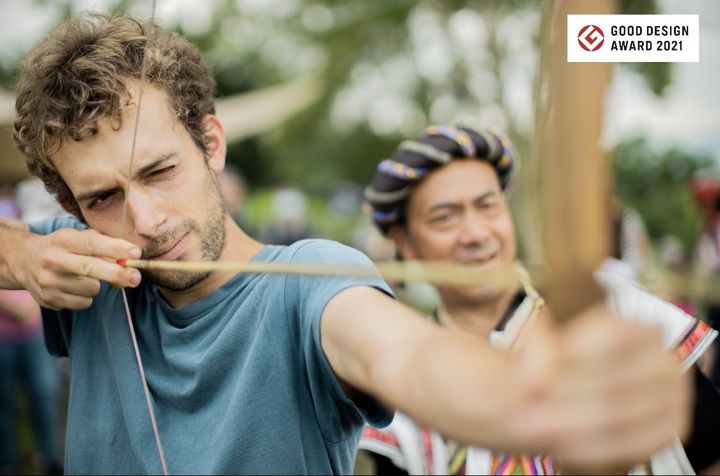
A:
x: 656, y: 183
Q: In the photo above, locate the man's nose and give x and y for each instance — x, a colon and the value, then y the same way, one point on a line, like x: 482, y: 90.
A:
x: 145, y: 217
x: 474, y: 229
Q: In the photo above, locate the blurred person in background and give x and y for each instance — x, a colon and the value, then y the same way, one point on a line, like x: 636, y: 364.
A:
x: 35, y: 202
x: 234, y: 192
x: 631, y: 245
x: 289, y: 221
x: 633, y: 258
x: 706, y: 192
x: 24, y: 362
x: 674, y: 261
x: 443, y: 197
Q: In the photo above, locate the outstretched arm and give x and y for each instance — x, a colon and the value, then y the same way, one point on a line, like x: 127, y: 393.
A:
x: 597, y: 392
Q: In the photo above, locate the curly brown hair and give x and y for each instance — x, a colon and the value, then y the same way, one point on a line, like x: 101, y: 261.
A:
x: 80, y: 73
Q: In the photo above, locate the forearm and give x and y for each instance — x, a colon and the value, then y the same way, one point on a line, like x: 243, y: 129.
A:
x: 460, y: 386
x: 12, y: 235
x: 448, y: 380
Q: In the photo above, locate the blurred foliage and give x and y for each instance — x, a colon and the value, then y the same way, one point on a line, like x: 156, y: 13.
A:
x: 656, y: 183
x: 387, y: 69
x: 326, y: 222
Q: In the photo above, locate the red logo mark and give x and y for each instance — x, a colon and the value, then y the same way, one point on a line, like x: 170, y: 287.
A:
x: 591, y: 38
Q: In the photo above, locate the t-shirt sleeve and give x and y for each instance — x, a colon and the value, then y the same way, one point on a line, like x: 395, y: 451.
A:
x: 309, y: 296
x: 57, y: 325
x: 45, y: 227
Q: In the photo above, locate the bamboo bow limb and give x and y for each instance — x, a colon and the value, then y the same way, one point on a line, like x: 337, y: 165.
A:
x: 575, y: 181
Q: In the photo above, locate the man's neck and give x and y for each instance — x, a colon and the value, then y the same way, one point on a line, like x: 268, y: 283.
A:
x: 478, y: 318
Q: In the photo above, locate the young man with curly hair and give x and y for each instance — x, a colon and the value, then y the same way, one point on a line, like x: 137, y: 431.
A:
x: 260, y: 373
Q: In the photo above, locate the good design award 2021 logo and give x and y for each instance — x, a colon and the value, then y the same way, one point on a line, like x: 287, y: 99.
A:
x: 633, y: 38
x: 591, y: 37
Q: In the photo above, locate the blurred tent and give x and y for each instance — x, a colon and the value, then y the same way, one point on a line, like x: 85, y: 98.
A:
x: 243, y: 115
x: 248, y: 114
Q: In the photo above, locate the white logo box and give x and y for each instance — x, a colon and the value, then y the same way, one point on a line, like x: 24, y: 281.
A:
x: 633, y: 38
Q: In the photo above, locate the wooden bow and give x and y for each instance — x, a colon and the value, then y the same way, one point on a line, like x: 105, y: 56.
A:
x: 574, y: 176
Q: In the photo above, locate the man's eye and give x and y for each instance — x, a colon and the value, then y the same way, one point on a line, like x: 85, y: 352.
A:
x: 101, y: 200
x: 162, y: 171
x: 440, y: 218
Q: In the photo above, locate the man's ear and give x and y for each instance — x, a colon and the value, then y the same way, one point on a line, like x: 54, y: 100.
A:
x: 215, y: 144
x: 399, y: 234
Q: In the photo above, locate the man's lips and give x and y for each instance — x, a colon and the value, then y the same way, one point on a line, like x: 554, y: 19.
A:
x: 480, y: 260
x: 173, y: 251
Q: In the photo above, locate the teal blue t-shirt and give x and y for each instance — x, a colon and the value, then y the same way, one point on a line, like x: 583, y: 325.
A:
x: 238, y: 379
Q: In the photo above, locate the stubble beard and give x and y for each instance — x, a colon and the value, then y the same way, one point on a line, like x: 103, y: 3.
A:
x: 212, y: 240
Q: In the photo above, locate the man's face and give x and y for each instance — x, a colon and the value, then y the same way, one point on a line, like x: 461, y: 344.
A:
x: 459, y: 213
x: 175, y: 210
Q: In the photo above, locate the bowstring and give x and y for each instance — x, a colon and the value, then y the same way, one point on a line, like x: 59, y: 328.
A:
x: 123, y: 230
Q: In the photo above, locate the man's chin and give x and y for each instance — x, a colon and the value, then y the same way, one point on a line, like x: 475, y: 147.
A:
x: 176, y: 281
x: 477, y: 294
x: 489, y: 291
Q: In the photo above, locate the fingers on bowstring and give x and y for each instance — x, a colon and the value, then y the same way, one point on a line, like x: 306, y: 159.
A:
x: 93, y: 243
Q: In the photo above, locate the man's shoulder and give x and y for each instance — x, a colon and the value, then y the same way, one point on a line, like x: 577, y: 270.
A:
x: 325, y: 251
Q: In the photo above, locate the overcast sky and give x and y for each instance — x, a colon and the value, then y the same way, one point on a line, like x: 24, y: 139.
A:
x: 689, y: 113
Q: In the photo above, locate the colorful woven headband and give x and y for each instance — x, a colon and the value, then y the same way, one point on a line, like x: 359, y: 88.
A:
x: 426, y: 150
x: 379, y: 216
x: 507, y: 155
x: 459, y: 136
x: 387, y: 197
x: 401, y: 171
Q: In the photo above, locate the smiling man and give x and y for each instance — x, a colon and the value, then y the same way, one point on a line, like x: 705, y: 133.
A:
x: 260, y: 373
x: 442, y: 198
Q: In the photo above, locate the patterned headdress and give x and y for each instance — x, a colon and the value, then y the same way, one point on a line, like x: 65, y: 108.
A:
x: 414, y: 159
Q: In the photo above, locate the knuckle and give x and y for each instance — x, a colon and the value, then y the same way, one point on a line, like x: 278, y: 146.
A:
x: 48, y: 261
x: 44, y: 281
x: 61, y: 236
x: 89, y: 244
x: 86, y: 269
